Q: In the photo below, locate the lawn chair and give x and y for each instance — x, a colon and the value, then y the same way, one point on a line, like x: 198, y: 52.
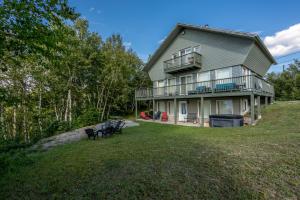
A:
x: 157, y: 115
x: 106, y: 129
x: 144, y: 116
x: 118, y: 125
x: 91, y: 133
x: 164, y: 117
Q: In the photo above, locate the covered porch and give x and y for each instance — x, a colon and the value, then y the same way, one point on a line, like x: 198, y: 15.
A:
x: 196, y: 111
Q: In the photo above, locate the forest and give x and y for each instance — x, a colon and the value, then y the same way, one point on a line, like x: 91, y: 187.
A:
x: 56, y: 75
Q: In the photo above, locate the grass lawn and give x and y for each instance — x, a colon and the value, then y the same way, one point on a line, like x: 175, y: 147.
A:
x: 155, y: 161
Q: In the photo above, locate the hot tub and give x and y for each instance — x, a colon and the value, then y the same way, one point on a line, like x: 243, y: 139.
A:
x: 226, y: 120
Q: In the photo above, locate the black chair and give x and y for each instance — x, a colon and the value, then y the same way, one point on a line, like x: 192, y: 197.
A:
x: 91, y: 133
x: 106, y: 129
x: 157, y: 115
x: 118, y: 125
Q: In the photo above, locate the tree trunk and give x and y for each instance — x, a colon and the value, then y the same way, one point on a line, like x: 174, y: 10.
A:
x: 70, y: 106
x: 14, y: 131
x: 40, y: 111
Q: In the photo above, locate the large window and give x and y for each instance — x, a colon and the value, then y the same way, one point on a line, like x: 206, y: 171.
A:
x: 224, y: 107
x: 171, y: 86
x: 160, y: 87
x: 224, y: 73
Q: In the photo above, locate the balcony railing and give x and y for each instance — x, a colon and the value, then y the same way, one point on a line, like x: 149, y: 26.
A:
x: 234, y: 84
x: 182, y: 63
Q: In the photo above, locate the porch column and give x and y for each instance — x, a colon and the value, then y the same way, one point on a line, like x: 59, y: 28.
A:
x: 202, y: 112
x: 175, y: 111
x: 153, y: 109
x: 136, y: 110
x: 258, y: 108
x: 252, y: 108
x: 266, y: 100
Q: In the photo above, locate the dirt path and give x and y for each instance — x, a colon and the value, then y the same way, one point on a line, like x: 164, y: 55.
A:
x: 71, y: 136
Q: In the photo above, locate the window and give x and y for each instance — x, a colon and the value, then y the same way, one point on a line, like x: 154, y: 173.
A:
x: 183, y: 108
x: 244, y: 105
x: 171, y: 86
x: 197, y: 49
x: 224, y: 73
x: 160, y: 87
x: 185, y: 51
x: 204, y: 76
x: 170, y: 108
x: 224, y: 107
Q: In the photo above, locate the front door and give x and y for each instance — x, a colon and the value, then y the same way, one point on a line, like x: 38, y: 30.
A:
x: 182, y: 110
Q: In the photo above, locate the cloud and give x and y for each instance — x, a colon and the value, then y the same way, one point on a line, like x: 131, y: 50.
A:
x: 99, y: 11
x: 284, y: 42
x: 162, y: 40
x: 127, y: 45
x: 91, y: 9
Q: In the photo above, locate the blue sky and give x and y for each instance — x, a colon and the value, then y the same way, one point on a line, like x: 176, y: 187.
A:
x: 143, y: 24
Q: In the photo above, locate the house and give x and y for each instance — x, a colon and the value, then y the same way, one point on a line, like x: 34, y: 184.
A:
x: 198, y: 71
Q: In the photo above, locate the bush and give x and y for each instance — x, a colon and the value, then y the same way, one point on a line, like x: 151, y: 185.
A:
x: 10, y: 161
x: 56, y: 127
x: 89, y: 117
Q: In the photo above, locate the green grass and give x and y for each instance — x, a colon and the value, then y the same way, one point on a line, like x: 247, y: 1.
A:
x: 155, y: 161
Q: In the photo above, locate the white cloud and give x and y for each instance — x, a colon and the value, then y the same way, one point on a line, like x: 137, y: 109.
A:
x: 284, y: 42
x: 99, y: 11
x: 91, y: 9
x: 162, y: 40
x: 127, y: 45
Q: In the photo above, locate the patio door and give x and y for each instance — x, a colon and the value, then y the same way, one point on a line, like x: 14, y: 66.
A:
x: 185, y: 84
x: 185, y: 54
x: 182, y: 110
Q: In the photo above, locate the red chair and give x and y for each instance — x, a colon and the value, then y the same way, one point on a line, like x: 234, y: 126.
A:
x: 164, y: 117
x: 144, y: 116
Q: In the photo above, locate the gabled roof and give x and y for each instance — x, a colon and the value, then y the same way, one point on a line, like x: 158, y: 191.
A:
x: 179, y: 27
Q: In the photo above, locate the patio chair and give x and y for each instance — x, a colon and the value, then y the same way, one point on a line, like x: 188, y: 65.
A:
x: 164, y: 117
x: 106, y: 129
x: 144, y: 116
x: 117, y: 126
x: 91, y: 133
x: 157, y: 115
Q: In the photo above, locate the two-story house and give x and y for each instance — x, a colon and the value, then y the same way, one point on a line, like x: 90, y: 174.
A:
x: 198, y: 71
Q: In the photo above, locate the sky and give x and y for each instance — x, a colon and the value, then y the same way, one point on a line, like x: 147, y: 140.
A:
x: 144, y: 24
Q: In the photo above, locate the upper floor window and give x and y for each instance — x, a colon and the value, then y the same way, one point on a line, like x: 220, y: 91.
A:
x: 204, y: 76
x: 185, y: 51
x: 197, y: 49
x: 224, y: 73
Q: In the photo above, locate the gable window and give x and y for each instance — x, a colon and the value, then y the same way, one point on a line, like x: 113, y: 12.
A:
x: 224, y: 106
x: 197, y: 49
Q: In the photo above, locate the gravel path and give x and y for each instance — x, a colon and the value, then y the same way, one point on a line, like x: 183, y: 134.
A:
x: 71, y: 136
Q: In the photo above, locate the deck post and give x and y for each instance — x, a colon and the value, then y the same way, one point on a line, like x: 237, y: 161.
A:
x: 153, y: 109
x: 136, y: 109
x: 175, y: 111
x: 252, y: 108
x: 202, y: 112
x: 266, y: 100
x: 258, y: 108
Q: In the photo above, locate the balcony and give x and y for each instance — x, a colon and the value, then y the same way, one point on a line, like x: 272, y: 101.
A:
x: 218, y: 87
x: 183, y: 63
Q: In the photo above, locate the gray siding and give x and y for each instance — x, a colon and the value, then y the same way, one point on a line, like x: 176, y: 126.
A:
x: 217, y: 51
x: 257, y: 61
